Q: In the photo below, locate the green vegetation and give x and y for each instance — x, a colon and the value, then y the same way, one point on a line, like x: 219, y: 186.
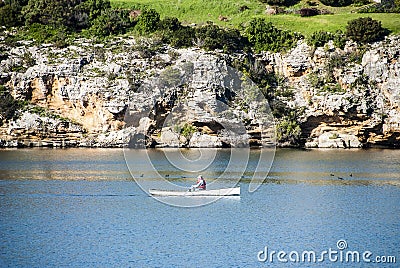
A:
x: 320, y: 38
x: 385, y: 7
x: 174, y: 33
x: 10, y: 12
x: 110, y: 22
x: 326, y: 81
x: 8, y: 105
x: 265, y: 37
x: 58, y: 21
x: 267, y: 82
x: 337, y: 3
x: 288, y: 129
x: 199, y: 11
x: 330, y: 23
x: 188, y: 130
x: 280, y: 2
x: 61, y: 21
x: 196, y: 11
x: 43, y: 112
x: 212, y: 37
x: 365, y: 30
x: 148, y: 21
x: 334, y: 136
x: 72, y: 14
x: 185, y: 130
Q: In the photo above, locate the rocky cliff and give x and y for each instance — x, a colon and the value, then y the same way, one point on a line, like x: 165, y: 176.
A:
x: 140, y: 92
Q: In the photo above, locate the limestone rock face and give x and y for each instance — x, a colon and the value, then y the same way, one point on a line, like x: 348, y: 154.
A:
x: 102, y: 95
x: 200, y: 140
x: 363, y: 104
x: 34, y: 130
x: 334, y: 140
x: 170, y: 138
x: 112, y: 138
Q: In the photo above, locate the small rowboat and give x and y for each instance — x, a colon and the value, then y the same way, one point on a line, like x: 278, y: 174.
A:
x: 217, y: 192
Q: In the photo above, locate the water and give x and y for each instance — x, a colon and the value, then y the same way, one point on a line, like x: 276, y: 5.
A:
x: 81, y: 208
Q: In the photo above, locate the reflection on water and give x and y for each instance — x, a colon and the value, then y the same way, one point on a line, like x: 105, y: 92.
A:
x: 57, y: 164
x: 319, y: 167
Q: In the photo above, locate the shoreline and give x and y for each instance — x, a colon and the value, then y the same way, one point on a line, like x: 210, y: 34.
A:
x: 277, y: 147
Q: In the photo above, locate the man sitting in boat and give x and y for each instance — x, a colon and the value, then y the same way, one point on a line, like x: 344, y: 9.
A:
x: 201, y: 184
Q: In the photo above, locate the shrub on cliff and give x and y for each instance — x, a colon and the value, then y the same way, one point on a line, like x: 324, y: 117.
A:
x: 53, y: 21
x: 212, y: 37
x: 10, y: 12
x: 264, y: 36
x: 93, y: 8
x: 172, y: 32
x: 288, y: 131
x: 320, y: 38
x: 308, y: 12
x: 187, y: 130
x: 280, y: 2
x: 43, y: 33
x: 51, y: 13
x: 337, y: 3
x: 8, y: 105
x: 111, y: 22
x: 147, y: 22
x: 72, y: 14
x: 365, y: 30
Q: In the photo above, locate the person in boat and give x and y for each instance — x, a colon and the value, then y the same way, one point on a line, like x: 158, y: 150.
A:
x: 201, y: 184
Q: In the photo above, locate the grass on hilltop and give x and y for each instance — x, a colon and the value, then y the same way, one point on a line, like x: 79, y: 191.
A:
x: 200, y: 11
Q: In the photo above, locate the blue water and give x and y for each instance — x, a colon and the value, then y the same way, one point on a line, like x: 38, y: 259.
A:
x: 81, y: 208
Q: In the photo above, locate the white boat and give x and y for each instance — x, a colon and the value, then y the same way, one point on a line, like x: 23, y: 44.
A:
x: 215, y: 192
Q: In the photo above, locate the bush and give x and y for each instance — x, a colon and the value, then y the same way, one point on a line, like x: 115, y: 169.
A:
x: 388, y: 7
x: 337, y: 3
x: 365, y: 30
x: 308, y: 12
x: 336, y: 61
x: 264, y: 36
x: 147, y: 21
x: 187, y: 130
x: 71, y: 14
x: 280, y: 2
x: 288, y: 130
x: 51, y: 13
x: 183, y: 37
x: 93, y: 8
x: 361, y: 2
x: 111, y: 22
x: 8, y: 105
x: 169, y: 24
x: 339, y: 39
x: 10, y: 13
x: 319, y: 39
x: 266, y: 81
x: 47, y: 34
x: 212, y: 37
x: 173, y: 33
